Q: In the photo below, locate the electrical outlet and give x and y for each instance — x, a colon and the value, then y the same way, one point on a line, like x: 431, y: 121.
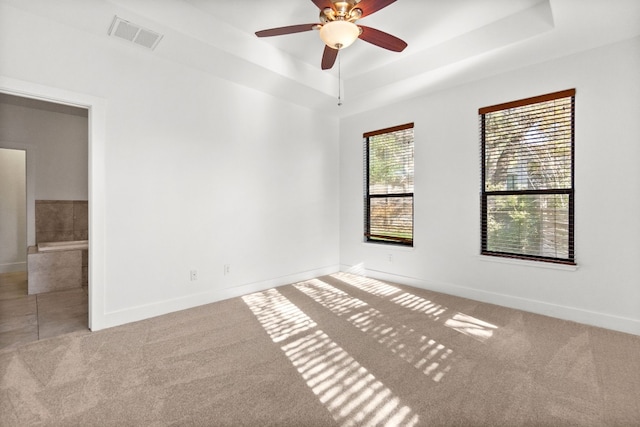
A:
x: 390, y: 257
x: 227, y: 269
x: 193, y: 275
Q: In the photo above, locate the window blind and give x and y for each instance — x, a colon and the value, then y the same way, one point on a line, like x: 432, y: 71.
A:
x: 389, y: 167
x: 528, y: 178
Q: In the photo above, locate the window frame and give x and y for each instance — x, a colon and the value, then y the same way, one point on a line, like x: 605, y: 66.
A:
x: 368, y: 237
x: 570, y: 192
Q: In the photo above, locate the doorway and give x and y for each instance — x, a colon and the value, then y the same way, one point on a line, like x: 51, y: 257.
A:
x: 46, y: 146
x: 97, y: 129
x: 13, y: 210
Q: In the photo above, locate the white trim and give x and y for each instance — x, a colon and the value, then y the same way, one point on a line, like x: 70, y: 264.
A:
x: 13, y: 267
x: 97, y: 137
x: 526, y: 263
x: 602, y: 320
x: 388, y: 246
x: 133, y: 314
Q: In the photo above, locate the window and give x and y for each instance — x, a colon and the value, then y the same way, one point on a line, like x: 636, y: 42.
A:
x: 388, y: 156
x: 527, y: 178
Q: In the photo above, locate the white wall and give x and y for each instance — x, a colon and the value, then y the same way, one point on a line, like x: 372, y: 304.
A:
x: 198, y: 173
x: 13, y: 212
x: 60, y: 147
x: 604, y: 289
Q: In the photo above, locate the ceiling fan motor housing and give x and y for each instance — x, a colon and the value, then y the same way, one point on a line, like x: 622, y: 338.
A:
x: 341, y: 11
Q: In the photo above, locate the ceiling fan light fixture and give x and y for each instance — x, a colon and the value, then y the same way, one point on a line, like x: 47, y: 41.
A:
x: 339, y: 34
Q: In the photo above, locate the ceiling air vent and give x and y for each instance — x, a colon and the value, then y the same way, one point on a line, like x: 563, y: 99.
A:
x: 134, y: 33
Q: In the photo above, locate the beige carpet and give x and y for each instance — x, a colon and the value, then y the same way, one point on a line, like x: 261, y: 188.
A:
x: 336, y: 350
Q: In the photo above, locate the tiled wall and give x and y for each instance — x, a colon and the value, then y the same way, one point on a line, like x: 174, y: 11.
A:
x: 59, y: 221
x: 62, y: 220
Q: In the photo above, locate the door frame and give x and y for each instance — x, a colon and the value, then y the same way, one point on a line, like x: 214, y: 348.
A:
x: 96, y: 107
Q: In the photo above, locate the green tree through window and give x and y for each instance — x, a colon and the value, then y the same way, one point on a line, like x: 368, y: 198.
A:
x: 389, y: 185
x: 527, y: 178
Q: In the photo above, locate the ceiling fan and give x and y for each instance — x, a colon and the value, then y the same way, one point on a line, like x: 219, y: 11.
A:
x: 338, y: 29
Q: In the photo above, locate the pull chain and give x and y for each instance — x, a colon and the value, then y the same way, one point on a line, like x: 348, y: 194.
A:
x: 339, y: 81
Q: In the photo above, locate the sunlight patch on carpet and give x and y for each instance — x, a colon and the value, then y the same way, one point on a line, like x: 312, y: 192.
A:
x: 431, y: 358
x: 475, y: 328
x: 469, y: 325
x: 422, y: 305
x: 279, y: 317
x: 374, y: 287
x: 352, y: 394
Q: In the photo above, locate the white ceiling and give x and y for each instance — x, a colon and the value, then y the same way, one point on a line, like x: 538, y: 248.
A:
x: 449, y: 41
x: 420, y: 23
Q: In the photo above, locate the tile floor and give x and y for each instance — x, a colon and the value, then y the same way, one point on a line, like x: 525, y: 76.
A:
x: 25, y: 318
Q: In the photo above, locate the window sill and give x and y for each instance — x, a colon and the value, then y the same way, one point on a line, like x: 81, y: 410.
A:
x: 389, y: 246
x: 525, y: 263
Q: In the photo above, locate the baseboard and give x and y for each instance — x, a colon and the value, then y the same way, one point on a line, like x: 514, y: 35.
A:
x: 13, y: 267
x: 602, y: 320
x: 134, y: 314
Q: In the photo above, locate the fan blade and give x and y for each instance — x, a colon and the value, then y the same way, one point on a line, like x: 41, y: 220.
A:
x: 329, y: 57
x: 382, y: 39
x: 370, y: 6
x: 323, y: 4
x: 285, y: 30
